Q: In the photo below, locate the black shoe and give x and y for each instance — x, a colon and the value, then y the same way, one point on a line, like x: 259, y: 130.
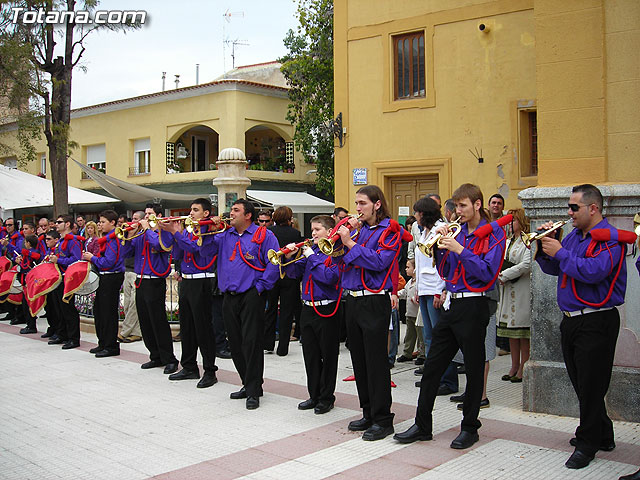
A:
x: 208, y: 379
x: 631, y: 476
x: 418, y: 372
x: 419, y: 361
x: 402, y: 359
x: 418, y: 383
x: 185, y: 375
x: 483, y: 404
x: 322, y: 408
x: 70, y: 344
x: 242, y: 393
x: 377, y: 432
x: 460, y: 369
x: 457, y: 398
x: 464, y: 440
x: 96, y: 349
x: 604, y: 446
x: 27, y: 330
x: 414, y: 434
x: 445, y: 390
x: 252, y: 403
x: 17, y: 321
x: 360, y: 425
x: 307, y: 404
x: 578, y: 459
x: 170, y: 368
x: 107, y: 353
x: 7, y: 318
x: 46, y: 335
x: 282, y: 353
x: 226, y: 354
x: 150, y: 364
x: 55, y: 340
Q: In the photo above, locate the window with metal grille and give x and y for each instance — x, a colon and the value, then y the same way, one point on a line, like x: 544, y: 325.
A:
x: 409, y: 66
x: 288, y: 155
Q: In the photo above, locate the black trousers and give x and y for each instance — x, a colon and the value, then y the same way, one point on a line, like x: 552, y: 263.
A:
x: 219, y: 331
x: 463, y: 326
x: 320, y: 347
x: 368, y: 329
x: 196, y: 329
x: 52, y: 314
x: 31, y: 321
x: 106, y: 310
x: 244, y: 320
x: 68, y: 316
x: 588, y: 346
x: 156, y: 333
x: 287, y: 290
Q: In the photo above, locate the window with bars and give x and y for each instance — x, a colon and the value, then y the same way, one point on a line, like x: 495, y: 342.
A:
x: 288, y: 155
x: 409, y: 66
x: 141, y: 157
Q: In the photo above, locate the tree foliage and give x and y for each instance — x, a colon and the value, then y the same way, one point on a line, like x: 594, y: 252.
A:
x: 308, y: 68
x: 35, y: 79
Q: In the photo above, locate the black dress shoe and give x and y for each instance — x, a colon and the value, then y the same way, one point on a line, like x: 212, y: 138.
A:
x: 307, y: 404
x: 185, y: 375
x: 607, y: 446
x: 226, y: 354
x: 70, y: 344
x: 150, y: 364
x: 170, y: 368
x: 445, y: 390
x: 419, y: 361
x: 107, y: 353
x: 17, y: 321
x: 414, y: 434
x: 96, y: 349
x: 377, y: 432
x: 418, y: 372
x: 578, y: 459
x: 402, y: 359
x: 464, y: 440
x: 322, y: 408
x: 360, y: 425
x: 208, y: 379
x: 46, y: 335
x: 242, y: 393
x: 252, y: 403
x: 418, y: 383
x: 483, y: 404
x: 631, y: 476
x: 27, y: 330
x: 55, y: 340
x: 457, y: 398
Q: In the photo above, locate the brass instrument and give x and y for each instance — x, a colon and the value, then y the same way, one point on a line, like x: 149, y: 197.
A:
x: 529, y: 238
x: 326, y: 245
x: 154, y: 221
x: 193, y: 226
x: 636, y: 224
x: 121, y: 232
x: 427, y: 248
x: 275, y: 257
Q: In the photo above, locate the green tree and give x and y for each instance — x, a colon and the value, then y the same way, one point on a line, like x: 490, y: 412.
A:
x: 36, y: 75
x: 308, y: 68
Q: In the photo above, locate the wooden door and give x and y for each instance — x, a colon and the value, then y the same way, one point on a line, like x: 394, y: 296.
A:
x: 405, y: 191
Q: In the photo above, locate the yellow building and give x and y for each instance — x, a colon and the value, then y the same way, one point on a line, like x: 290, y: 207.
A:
x: 170, y: 140
x: 543, y: 92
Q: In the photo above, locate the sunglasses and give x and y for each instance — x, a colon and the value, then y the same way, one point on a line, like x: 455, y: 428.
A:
x: 48, y: 239
x: 263, y: 221
x: 59, y: 221
x: 574, y: 207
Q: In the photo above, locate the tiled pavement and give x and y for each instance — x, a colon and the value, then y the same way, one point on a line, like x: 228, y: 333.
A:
x: 67, y: 415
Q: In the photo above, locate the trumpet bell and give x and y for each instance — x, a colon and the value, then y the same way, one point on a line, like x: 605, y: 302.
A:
x: 326, y: 246
x: 274, y: 257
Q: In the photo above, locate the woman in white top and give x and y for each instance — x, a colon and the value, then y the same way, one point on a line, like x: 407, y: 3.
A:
x: 514, y: 310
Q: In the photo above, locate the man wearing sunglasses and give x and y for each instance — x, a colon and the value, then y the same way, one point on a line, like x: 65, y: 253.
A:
x: 8, y: 243
x: 592, y: 281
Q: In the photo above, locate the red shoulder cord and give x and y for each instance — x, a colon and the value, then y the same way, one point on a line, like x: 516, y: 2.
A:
x: 309, y: 290
x: 103, y: 248
x: 27, y: 256
x: 189, y: 257
x: 395, y: 229
x: 258, y: 237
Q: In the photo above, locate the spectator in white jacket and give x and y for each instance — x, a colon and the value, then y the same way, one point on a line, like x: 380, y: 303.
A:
x: 414, y: 332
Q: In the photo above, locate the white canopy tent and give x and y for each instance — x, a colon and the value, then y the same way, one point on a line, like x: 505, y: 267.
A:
x: 299, y: 202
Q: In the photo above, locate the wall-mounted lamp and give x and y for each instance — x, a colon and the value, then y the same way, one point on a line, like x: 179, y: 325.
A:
x: 338, y: 131
x: 484, y: 28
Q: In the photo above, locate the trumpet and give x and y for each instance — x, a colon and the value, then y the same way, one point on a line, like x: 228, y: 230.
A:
x: 436, y: 240
x: 121, y: 232
x: 529, y: 238
x: 154, y: 220
x: 326, y: 245
x: 275, y: 257
x: 193, y: 226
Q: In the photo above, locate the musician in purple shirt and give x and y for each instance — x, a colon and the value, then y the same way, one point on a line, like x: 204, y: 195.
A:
x: 110, y: 265
x: 152, y: 264
x: 319, y: 328
x: 469, y: 264
x: 244, y: 275
x: 197, y: 271
x: 68, y: 250
x: 592, y: 281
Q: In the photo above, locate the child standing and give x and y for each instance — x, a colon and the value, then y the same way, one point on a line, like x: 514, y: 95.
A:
x: 26, y: 260
x: 414, y: 332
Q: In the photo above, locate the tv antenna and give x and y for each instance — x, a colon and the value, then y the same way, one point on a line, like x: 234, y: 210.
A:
x: 233, y: 49
x: 228, y: 16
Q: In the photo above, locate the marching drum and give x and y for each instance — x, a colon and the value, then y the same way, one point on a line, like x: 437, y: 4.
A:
x: 16, y: 286
x: 91, y: 285
x: 79, y: 279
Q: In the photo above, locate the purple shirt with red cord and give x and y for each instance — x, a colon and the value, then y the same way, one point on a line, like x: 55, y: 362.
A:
x: 469, y: 271
x: 195, y: 258
x: 109, y: 258
x: 68, y: 250
x: 319, y: 280
x: 150, y: 257
x: 234, y: 275
x: 591, y: 276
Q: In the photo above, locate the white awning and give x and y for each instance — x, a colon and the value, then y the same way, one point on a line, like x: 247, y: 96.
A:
x: 20, y: 189
x: 299, y: 202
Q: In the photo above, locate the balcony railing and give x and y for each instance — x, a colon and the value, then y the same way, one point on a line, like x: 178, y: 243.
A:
x: 133, y: 171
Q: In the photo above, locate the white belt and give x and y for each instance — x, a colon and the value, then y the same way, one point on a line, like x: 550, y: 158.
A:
x: 318, y: 303
x: 107, y: 273
x: 584, y: 311
x: 199, y: 275
x: 364, y: 293
x: 148, y: 276
x: 455, y: 295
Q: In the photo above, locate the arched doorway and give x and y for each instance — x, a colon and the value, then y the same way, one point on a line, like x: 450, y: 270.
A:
x: 267, y: 150
x: 196, y: 150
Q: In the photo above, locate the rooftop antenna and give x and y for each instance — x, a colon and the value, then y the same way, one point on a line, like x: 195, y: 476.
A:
x: 197, y: 74
x: 177, y: 80
x: 227, y: 17
x: 233, y: 50
x: 164, y: 76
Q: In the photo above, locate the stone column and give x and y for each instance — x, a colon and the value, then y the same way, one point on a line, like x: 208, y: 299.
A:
x: 547, y: 388
x: 232, y: 180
